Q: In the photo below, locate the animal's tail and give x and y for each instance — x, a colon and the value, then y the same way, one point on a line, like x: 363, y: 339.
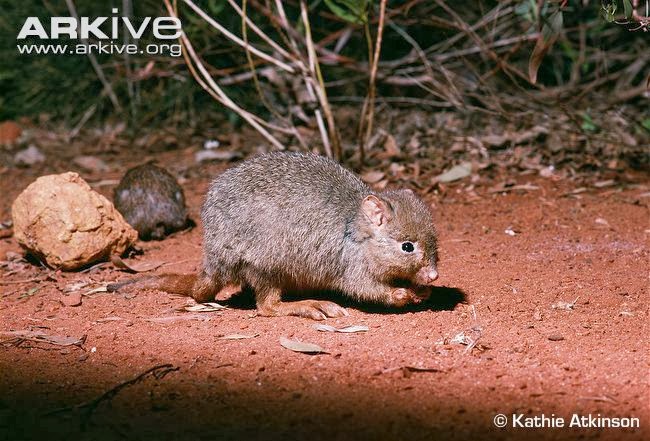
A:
x: 169, y: 282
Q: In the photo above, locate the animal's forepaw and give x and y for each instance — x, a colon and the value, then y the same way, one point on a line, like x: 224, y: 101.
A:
x: 402, y: 296
x: 406, y: 296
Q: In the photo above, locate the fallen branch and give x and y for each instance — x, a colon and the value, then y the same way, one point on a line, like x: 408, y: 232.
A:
x: 88, y: 407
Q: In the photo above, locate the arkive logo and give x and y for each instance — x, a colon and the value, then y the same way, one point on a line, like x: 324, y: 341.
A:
x: 164, y: 28
x: 99, y: 35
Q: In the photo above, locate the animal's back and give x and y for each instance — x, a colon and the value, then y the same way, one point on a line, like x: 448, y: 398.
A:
x: 151, y: 201
x: 283, y: 215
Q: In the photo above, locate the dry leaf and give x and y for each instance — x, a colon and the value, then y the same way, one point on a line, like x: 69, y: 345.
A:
x: 178, y: 318
x: 457, y: 172
x: 108, y: 319
x: 461, y: 339
x: 44, y: 338
x: 575, y: 191
x: 372, y: 177
x: 601, y: 221
x: 102, y: 288
x: 104, y: 183
x: 135, y: 268
x: 74, y: 286
x: 381, y: 185
x: 408, y: 370
x: 603, y: 184
x: 347, y: 329
x: 469, y: 338
x: 567, y: 306
x: 205, y: 307
x: 91, y: 163
x: 390, y: 147
x: 504, y: 188
x: 237, y: 336
x: 421, y: 369
x: 515, y: 138
x: 493, y: 140
x: 550, y: 32
x: 299, y: 346
x: 215, y: 155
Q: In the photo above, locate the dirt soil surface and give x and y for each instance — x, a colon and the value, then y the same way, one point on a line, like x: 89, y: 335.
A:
x: 543, y: 309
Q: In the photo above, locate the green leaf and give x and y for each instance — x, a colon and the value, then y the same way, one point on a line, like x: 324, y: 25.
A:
x: 526, y: 10
x: 609, y: 11
x: 627, y: 8
x: 216, y: 6
x: 646, y: 124
x: 588, y: 124
x: 354, y: 11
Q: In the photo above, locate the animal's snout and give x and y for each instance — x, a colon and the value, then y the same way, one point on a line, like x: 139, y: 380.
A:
x: 426, y: 276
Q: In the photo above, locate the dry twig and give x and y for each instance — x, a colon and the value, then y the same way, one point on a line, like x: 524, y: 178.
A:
x: 368, y: 111
x: 88, y: 407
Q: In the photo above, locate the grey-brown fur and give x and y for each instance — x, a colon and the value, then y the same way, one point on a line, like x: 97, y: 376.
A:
x: 151, y: 201
x: 290, y: 221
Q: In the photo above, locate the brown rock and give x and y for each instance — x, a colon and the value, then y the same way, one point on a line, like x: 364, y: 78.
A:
x: 61, y: 220
x: 9, y: 132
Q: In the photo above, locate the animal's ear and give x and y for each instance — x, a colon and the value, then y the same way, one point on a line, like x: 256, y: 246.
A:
x: 376, y: 209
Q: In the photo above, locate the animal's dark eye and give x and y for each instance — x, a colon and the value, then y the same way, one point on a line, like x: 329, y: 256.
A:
x: 408, y: 247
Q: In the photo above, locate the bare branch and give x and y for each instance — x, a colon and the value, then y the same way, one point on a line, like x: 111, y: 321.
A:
x: 238, y: 40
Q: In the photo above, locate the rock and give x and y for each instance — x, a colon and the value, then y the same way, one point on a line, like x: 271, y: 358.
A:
x: 62, y: 221
x: 29, y: 156
x: 71, y: 299
x: 9, y: 132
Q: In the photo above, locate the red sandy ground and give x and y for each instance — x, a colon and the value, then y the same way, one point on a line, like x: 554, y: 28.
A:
x: 596, y: 362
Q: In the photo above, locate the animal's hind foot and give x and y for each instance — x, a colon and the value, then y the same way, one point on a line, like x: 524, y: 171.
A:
x: 313, y: 309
